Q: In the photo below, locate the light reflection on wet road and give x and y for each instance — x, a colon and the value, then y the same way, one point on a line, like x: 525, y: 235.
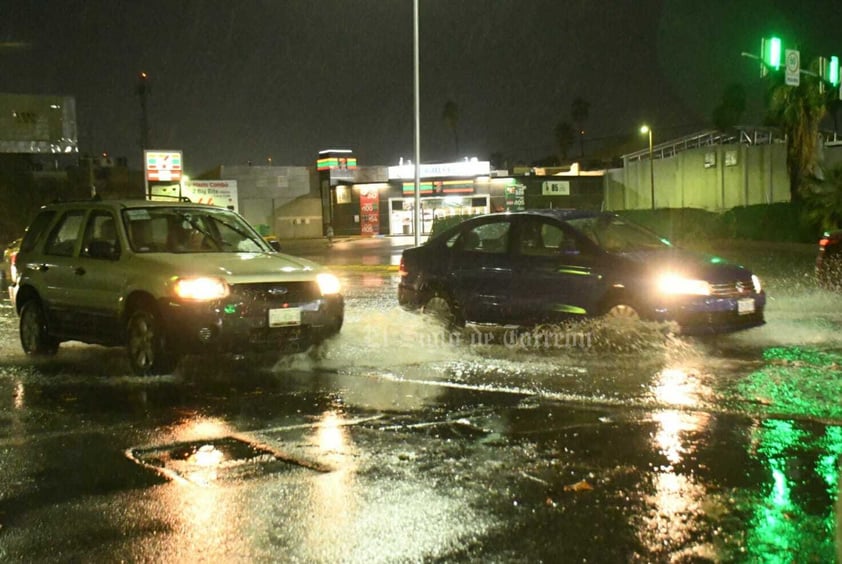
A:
x: 401, y: 443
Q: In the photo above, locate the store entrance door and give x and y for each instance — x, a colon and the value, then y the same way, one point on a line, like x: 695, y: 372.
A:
x: 402, y: 217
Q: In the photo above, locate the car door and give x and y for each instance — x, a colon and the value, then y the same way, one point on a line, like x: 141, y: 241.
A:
x: 556, y: 273
x: 100, y: 279
x: 56, y: 269
x: 480, y: 270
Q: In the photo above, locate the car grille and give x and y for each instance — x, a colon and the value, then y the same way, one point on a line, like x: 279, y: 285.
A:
x: 258, y: 297
x: 732, y: 289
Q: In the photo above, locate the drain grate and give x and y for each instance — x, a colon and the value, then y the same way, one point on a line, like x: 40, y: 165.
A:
x: 211, y: 460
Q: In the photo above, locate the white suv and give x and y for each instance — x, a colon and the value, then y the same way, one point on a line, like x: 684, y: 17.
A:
x: 165, y: 279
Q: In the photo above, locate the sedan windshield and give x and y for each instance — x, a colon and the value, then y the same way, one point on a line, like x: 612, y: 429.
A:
x: 189, y: 230
x: 617, y: 235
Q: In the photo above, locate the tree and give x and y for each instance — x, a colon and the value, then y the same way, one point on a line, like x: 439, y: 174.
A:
x: 798, y: 110
x: 730, y: 109
x: 824, y: 200
x: 579, y: 111
x: 565, y: 136
x: 450, y: 115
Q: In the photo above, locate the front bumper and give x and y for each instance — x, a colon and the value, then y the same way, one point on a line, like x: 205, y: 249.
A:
x: 709, y: 315
x: 238, y: 327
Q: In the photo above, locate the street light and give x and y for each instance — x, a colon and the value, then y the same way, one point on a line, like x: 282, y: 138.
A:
x: 647, y: 129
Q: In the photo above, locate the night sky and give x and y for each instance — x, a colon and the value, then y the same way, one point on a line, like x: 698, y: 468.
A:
x: 245, y: 80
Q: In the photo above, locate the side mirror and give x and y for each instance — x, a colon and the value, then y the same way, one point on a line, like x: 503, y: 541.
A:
x: 275, y: 245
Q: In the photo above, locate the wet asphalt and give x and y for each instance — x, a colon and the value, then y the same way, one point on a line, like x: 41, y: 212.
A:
x: 397, y: 443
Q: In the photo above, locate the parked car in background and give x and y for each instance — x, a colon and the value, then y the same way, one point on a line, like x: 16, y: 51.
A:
x: 9, y: 254
x: 829, y: 260
x: 166, y: 279
x: 551, y: 265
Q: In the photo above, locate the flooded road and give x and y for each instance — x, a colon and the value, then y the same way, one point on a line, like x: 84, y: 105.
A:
x: 400, y: 442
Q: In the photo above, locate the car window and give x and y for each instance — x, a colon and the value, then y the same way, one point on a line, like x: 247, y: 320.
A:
x: 485, y: 238
x: 62, y: 240
x: 617, y: 235
x: 190, y: 230
x: 541, y: 238
x: 100, y: 229
x: 33, y: 233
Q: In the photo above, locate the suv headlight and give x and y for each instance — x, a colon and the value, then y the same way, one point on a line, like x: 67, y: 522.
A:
x: 201, y: 288
x: 328, y: 283
x: 673, y: 284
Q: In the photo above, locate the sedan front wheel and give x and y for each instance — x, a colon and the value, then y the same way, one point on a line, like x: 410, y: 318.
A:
x: 623, y: 311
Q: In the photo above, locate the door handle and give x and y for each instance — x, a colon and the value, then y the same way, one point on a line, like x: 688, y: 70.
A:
x: 80, y: 271
x: 43, y: 267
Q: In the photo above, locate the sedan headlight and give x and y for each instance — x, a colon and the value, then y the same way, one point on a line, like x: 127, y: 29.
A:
x: 328, y: 283
x: 201, y: 288
x: 755, y: 281
x: 673, y: 284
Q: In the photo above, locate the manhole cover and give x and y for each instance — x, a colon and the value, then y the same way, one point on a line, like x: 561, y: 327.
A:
x: 225, y: 458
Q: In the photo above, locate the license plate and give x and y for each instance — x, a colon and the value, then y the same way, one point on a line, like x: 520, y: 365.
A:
x: 284, y: 317
x: 745, y: 306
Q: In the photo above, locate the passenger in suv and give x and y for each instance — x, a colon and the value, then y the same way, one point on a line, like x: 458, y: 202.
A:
x: 166, y: 279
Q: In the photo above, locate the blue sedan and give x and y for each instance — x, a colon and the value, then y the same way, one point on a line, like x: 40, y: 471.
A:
x: 540, y: 266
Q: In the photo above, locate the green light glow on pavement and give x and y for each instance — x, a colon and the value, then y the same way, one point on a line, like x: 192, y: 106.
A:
x: 795, y: 382
x: 782, y: 528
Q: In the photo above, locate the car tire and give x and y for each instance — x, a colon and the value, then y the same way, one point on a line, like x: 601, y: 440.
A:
x: 619, y: 307
x: 623, y: 311
x: 441, y: 307
x: 34, y: 336
x: 146, y: 346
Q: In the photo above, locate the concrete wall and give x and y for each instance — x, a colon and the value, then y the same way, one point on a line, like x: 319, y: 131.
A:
x: 299, y: 218
x: 266, y: 190
x: 716, y: 177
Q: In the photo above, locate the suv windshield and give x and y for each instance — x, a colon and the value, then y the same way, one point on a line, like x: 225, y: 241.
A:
x: 189, y: 230
x: 616, y: 235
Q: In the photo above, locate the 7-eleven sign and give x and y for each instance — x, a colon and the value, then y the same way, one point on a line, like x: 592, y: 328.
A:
x: 162, y: 166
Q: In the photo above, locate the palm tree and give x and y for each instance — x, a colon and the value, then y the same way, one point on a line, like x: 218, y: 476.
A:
x: 450, y: 115
x: 579, y: 111
x: 565, y: 136
x: 824, y: 200
x: 798, y: 110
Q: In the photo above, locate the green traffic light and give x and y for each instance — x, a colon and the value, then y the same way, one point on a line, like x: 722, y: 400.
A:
x: 833, y: 71
x: 772, y: 52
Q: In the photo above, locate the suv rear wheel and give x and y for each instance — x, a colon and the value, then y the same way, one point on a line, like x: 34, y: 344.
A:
x: 33, y: 330
x: 146, y: 346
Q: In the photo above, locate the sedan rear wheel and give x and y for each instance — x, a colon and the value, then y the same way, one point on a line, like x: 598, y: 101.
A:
x: 146, y: 347
x: 34, y: 337
x: 441, y: 308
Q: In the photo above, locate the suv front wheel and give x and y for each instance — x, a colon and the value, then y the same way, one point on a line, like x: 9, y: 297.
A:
x: 145, y: 344
x: 33, y: 330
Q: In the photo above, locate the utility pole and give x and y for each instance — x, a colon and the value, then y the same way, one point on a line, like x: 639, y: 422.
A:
x: 142, y: 90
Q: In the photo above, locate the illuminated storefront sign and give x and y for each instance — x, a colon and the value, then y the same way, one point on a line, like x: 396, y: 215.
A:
x: 369, y: 211
x: 555, y: 188
x: 440, y: 187
x: 468, y: 168
x: 329, y: 163
x: 162, y: 166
